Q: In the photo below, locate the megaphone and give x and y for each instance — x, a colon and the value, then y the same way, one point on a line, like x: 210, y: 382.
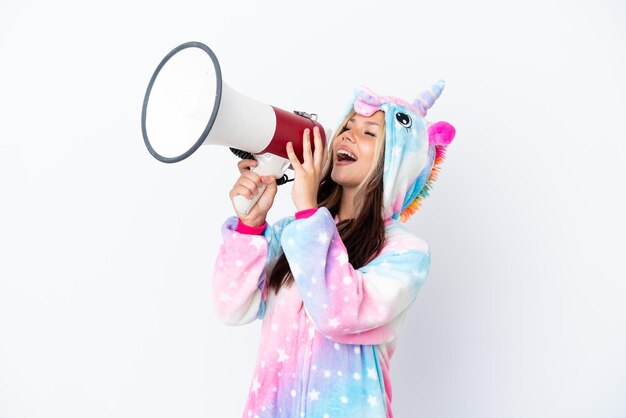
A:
x: 187, y: 105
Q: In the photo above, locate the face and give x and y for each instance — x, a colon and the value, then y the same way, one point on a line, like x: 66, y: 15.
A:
x: 354, y: 147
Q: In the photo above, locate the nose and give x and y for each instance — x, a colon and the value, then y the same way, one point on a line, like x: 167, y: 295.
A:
x: 346, y: 135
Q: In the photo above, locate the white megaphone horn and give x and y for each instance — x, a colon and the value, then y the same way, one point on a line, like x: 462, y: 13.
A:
x: 187, y: 105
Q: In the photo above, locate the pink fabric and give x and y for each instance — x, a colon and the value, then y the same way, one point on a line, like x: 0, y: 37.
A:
x: 250, y: 230
x: 441, y: 133
x: 303, y: 214
x: 368, y: 102
x: 327, y: 340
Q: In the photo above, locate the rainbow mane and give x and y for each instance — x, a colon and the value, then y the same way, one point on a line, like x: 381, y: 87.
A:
x: 440, y: 156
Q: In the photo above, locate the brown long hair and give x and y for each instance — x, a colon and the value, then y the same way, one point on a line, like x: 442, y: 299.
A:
x: 363, y: 235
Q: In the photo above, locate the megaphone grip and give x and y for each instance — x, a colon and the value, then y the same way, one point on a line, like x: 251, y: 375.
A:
x: 268, y: 165
x: 243, y: 204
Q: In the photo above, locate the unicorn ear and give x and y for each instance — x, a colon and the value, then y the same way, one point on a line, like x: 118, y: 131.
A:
x: 441, y: 133
x: 366, y: 102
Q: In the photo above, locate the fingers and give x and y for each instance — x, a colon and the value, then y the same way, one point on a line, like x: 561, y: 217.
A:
x: 247, y: 184
x: 244, y: 165
x: 293, y: 159
x: 271, y: 186
x: 319, y: 153
x: 306, y: 146
x: 266, y: 200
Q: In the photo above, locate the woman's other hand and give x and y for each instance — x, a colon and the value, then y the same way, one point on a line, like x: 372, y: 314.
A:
x: 308, y: 173
x: 247, y: 185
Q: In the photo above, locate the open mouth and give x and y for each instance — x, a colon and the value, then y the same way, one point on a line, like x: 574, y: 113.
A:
x: 343, y: 155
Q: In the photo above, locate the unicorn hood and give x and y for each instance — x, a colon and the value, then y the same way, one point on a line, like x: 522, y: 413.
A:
x: 414, y: 148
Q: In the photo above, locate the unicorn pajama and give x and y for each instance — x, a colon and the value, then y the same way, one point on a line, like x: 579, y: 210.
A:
x: 327, y: 340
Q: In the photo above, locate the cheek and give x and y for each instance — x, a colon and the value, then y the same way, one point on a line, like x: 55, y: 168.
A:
x: 368, y: 153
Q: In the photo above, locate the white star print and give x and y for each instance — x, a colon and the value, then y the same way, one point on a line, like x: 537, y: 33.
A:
x: 323, y: 238
x: 347, y: 280
x: 372, y: 373
x: 224, y: 297
x: 257, y: 242
x: 256, y: 385
x: 344, y: 399
x: 356, y: 376
x: 333, y: 323
x: 281, y: 355
x: 239, y: 263
x: 372, y: 401
x: 295, y: 269
x: 314, y: 395
x: 342, y: 258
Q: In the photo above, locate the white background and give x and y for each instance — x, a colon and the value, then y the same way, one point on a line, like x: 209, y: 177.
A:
x: 106, y: 253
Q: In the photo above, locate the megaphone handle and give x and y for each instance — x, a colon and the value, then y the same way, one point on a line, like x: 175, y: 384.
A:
x: 268, y: 165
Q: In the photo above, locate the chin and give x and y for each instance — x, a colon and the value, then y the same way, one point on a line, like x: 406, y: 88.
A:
x: 342, y: 180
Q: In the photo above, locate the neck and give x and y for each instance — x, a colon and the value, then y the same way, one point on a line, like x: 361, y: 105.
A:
x: 346, y: 207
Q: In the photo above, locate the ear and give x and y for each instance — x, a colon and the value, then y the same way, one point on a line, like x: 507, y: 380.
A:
x: 441, y: 133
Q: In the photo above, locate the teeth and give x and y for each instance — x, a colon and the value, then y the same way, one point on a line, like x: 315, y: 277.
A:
x: 349, y: 154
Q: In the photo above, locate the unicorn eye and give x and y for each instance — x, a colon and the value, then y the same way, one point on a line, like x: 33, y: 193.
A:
x: 403, y: 119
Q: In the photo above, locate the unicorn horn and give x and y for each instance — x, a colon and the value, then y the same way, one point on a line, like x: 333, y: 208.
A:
x: 427, y: 98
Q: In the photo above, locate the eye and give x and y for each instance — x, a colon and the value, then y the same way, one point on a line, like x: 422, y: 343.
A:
x: 370, y: 134
x: 403, y: 119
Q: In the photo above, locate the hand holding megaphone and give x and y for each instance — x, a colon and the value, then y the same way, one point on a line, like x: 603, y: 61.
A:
x: 187, y: 105
x: 248, y: 185
x: 266, y: 165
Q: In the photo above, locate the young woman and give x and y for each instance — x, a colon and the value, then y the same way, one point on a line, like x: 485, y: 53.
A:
x: 333, y: 283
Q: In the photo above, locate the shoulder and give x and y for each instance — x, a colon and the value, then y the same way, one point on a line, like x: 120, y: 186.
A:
x: 397, y: 237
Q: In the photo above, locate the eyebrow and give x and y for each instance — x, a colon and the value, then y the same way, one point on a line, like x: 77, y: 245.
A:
x: 368, y: 123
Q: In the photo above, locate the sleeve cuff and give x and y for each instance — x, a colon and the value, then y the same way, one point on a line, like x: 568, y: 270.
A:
x: 250, y: 230
x: 305, y: 213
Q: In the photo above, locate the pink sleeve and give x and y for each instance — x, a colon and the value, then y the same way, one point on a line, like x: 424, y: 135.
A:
x: 303, y: 214
x: 239, y: 277
x: 250, y: 230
